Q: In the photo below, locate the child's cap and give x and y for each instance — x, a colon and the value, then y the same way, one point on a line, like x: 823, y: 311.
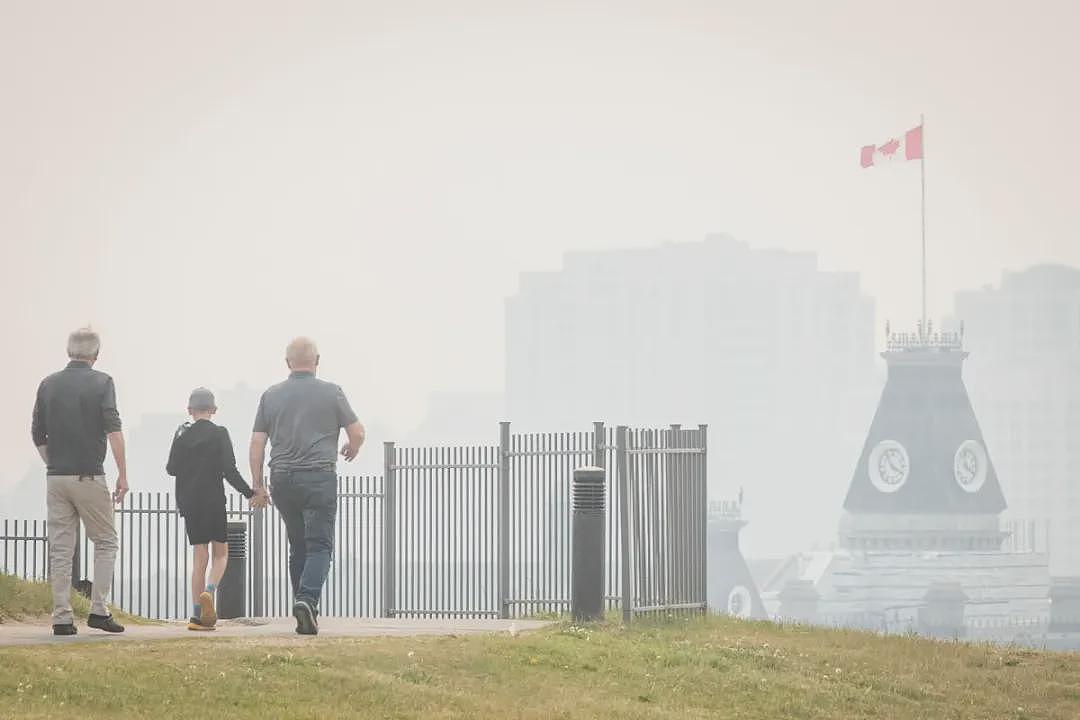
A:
x: 201, y: 399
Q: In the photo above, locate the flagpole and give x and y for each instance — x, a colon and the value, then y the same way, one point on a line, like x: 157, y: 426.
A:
x: 922, y: 173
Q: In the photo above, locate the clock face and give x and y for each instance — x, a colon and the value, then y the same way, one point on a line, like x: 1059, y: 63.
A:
x: 739, y: 602
x: 970, y: 465
x: 889, y: 466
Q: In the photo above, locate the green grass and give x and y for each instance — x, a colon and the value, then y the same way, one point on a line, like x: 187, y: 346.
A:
x: 22, y: 600
x: 701, y: 668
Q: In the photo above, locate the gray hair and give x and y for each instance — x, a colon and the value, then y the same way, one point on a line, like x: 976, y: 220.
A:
x: 302, y: 352
x: 83, y: 344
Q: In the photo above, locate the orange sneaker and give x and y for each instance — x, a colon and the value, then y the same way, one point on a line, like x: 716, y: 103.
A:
x: 195, y: 623
x: 208, y: 617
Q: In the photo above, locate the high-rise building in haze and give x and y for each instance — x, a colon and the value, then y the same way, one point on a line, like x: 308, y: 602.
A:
x: 1024, y: 380
x: 776, y: 355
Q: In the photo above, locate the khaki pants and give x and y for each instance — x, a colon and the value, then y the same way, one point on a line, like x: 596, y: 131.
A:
x: 70, y: 500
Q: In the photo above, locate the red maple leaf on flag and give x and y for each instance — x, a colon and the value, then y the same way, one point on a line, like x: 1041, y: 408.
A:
x: 890, y: 147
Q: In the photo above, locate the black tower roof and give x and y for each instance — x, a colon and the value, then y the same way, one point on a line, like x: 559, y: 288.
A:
x: 925, y: 453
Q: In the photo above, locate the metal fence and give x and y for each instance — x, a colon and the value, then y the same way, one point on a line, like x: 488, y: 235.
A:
x: 24, y: 549
x: 485, y: 531
x: 153, y: 573
x: 662, y: 477
x: 465, y: 531
x: 441, y: 551
x: 540, y: 469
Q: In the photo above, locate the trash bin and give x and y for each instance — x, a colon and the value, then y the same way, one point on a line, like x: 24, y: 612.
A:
x: 587, y: 570
x: 232, y: 592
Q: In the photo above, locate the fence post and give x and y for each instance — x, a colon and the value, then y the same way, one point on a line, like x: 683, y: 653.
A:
x: 702, y: 512
x: 599, y: 445
x: 258, y: 571
x: 504, y: 520
x: 624, y: 519
x: 389, y: 530
x: 675, y: 521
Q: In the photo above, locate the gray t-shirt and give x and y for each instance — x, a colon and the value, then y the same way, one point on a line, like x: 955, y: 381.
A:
x: 303, y: 417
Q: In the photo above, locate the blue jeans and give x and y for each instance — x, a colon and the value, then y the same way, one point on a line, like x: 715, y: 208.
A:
x: 307, y: 501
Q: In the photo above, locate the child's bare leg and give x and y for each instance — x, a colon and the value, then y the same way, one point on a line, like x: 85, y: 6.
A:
x: 221, y: 559
x: 199, y: 561
x: 200, y: 558
x: 220, y: 553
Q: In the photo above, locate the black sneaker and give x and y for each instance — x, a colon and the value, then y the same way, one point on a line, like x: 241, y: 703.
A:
x: 104, y: 622
x: 306, y: 624
x: 65, y: 629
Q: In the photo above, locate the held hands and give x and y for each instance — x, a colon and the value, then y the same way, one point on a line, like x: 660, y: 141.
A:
x: 259, y: 500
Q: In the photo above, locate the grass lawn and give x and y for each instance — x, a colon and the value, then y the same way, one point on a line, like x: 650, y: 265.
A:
x: 701, y: 668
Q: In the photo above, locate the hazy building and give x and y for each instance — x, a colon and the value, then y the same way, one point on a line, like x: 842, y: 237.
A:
x: 1024, y: 379
x: 921, y: 536
x: 776, y: 355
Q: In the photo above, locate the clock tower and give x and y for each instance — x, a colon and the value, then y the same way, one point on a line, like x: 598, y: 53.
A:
x: 924, y: 480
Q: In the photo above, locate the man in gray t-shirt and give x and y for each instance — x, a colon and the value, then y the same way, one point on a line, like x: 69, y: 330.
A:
x: 302, y: 419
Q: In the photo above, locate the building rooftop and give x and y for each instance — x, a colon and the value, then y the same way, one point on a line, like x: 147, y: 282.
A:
x: 924, y: 339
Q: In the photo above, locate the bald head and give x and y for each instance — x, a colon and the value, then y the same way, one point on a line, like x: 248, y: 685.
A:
x: 302, y: 355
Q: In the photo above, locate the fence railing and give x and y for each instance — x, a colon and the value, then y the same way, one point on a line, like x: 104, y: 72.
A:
x: 24, y: 549
x: 152, y: 577
x: 473, y: 531
x: 663, y: 498
x: 442, y: 554
x: 540, y: 471
x: 485, y: 531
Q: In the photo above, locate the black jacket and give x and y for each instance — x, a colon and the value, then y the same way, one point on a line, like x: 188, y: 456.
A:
x: 74, y: 411
x: 201, y: 455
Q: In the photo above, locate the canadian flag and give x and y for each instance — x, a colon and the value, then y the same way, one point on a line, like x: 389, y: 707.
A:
x: 907, y: 147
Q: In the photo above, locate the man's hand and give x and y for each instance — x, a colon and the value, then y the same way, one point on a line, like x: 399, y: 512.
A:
x: 259, y: 500
x: 116, y: 442
x: 349, y: 452
x: 121, y: 489
x: 356, y: 435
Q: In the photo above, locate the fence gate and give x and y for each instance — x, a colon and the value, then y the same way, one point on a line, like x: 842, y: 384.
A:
x: 663, y: 515
x: 441, y: 514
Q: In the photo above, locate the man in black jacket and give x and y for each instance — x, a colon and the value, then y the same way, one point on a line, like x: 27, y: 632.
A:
x: 74, y: 418
x: 201, y: 455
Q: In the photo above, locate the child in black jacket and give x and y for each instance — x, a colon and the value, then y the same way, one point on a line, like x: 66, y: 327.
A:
x: 201, y: 455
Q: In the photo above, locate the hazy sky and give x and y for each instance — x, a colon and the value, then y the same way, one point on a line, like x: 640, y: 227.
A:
x: 202, y: 181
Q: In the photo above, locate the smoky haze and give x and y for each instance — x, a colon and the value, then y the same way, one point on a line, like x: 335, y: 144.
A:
x: 205, y: 181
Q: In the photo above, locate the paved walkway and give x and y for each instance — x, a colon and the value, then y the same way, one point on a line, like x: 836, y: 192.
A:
x: 41, y: 634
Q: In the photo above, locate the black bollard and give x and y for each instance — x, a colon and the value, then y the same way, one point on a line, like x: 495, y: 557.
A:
x: 232, y: 592
x: 587, y: 576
